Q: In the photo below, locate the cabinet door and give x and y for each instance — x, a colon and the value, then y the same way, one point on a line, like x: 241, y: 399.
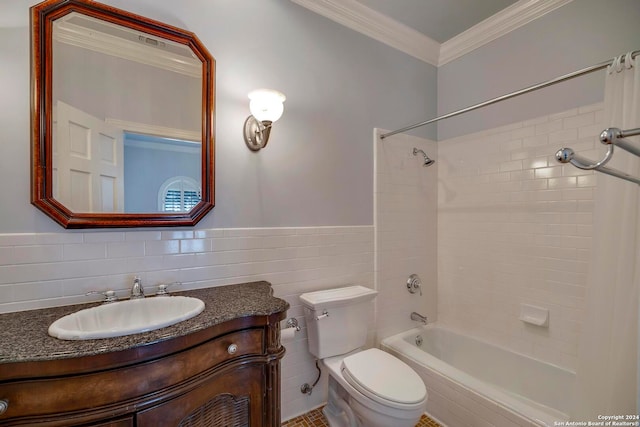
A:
x: 234, y: 398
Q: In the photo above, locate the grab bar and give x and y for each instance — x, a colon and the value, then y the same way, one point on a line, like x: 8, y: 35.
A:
x: 611, y: 137
x: 615, y: 136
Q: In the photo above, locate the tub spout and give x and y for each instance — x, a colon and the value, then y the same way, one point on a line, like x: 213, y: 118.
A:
x: 419, y: 318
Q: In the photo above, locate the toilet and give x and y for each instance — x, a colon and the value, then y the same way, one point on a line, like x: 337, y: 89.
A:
x: 367, y: 388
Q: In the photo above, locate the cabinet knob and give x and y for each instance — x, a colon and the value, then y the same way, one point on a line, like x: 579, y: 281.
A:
x: 4, y: 405
x: 232, y: 349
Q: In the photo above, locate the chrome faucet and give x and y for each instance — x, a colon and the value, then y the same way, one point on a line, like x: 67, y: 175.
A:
x: 419, y: 318
x: 137, y: 291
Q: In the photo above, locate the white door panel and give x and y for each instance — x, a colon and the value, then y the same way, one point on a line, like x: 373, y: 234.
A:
x: 89, y: 163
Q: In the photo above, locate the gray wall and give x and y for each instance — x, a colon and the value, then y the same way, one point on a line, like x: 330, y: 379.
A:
x: 146, y: 170
x: 318, y: 167
x: 579, y: 34
x: 109, y: 87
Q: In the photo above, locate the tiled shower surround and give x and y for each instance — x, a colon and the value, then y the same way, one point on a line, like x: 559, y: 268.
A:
x: 43, y: 270
x: 515, y: 226
x: 405, y: 220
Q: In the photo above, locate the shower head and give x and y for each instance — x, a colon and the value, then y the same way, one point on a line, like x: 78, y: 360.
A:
x: 427, y: 161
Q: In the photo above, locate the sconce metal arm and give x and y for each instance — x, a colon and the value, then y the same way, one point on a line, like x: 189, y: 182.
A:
x: 256, y: 133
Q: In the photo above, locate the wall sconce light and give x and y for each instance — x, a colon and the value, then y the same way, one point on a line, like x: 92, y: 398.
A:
x: 266, y: 107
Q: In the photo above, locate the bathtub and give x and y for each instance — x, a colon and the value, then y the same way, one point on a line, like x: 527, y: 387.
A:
x: 473, y: 383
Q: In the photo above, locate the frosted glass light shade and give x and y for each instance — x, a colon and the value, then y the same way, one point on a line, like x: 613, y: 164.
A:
x: 266, y: 104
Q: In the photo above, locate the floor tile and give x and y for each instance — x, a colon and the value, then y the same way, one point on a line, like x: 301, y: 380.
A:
x: 316, y: 419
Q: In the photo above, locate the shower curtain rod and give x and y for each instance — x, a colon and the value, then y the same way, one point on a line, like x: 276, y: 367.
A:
x: 560, y: 79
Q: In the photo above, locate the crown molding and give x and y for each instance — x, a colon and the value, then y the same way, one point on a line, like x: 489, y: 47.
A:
x: 75, y: 35
x: 496, y: 26
x: 161, y: 131
x: 369, y: 22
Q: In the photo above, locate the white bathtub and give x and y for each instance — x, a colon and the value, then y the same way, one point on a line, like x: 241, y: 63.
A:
x: 473, y: 383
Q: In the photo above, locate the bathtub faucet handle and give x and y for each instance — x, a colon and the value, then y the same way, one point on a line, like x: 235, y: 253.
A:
x: 414, y: 284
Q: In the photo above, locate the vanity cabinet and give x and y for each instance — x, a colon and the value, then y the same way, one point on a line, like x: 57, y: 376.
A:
x: 225, y: 400
x: 223, y: 375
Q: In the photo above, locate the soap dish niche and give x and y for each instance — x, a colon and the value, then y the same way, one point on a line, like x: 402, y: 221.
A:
x: 534, y: 315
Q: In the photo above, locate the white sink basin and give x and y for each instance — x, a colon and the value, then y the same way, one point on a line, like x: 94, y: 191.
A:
x: 125, y: 317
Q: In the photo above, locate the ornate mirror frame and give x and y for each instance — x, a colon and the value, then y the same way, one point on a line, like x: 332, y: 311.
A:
x: 42, y: 17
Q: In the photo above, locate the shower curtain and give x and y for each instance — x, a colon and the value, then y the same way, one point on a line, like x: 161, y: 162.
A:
x: 607, y: 376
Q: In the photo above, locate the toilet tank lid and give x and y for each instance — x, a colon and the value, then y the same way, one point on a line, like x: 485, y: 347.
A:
x: 320, y: 300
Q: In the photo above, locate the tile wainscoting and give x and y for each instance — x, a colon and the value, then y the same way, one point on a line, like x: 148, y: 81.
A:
x: 39, y: 270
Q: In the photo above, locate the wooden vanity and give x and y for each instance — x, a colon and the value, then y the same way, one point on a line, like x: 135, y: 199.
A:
x: 221, y: 368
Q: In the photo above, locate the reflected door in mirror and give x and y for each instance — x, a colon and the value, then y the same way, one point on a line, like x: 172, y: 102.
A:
x: 88, y: 162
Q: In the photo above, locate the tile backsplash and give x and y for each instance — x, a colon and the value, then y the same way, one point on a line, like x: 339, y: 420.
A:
x: 515, y: 226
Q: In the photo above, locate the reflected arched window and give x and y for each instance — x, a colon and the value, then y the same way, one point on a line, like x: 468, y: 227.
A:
x: 179, y: 194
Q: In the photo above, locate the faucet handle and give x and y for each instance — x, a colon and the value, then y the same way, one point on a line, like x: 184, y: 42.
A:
x: 109, y: 296
x: 162, y: 288
x: 414, y: 284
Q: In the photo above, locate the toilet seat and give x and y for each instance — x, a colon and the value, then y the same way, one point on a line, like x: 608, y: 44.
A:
x: 384, y: 378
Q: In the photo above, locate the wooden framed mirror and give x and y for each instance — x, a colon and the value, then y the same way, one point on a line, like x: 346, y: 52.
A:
x: 122, y: 118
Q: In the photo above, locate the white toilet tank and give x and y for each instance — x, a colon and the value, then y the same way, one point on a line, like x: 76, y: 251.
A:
x: 337, y: 319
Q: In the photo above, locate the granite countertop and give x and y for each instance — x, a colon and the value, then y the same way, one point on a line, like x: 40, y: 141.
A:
x: 24, y: 337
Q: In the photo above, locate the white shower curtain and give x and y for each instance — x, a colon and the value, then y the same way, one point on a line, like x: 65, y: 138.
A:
x: 607, y: 376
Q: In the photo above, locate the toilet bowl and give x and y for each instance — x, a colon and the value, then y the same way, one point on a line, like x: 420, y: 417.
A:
x: 379, y: 389
x: 367, y: 388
